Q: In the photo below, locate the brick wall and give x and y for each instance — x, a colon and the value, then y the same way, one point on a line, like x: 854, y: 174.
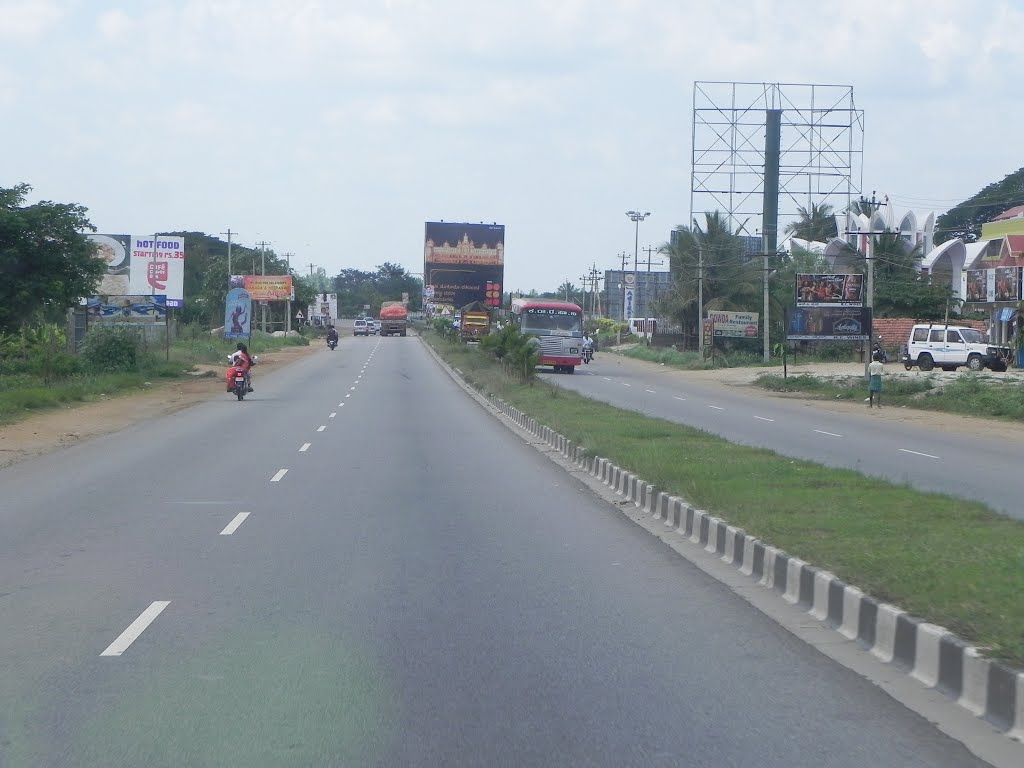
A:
x: 896, y: 330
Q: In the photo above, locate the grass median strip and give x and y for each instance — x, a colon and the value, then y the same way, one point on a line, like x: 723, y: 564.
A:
x: 950, y: 561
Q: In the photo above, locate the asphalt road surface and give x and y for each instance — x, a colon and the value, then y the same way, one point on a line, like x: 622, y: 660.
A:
x: 969, y: 465
x: 358, y: 566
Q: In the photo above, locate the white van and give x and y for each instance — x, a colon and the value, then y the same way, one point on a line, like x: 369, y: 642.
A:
x: 950, y: 346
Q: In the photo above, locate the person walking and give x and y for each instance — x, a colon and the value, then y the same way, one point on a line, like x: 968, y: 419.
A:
x: 875, y: 368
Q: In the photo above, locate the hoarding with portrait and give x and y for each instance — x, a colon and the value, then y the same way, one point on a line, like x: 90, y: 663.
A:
x: 977, y: 285
x: 237, y: 314
x: 464, y: 263
x: 829, y: 324
x: 833, y: 290
x: 1007, y: 283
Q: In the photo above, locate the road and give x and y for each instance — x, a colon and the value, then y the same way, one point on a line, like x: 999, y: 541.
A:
x: 971, y: 465
x: 358, y: 566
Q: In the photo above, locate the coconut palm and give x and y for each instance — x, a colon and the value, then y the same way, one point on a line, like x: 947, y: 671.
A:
x: 816, y: 224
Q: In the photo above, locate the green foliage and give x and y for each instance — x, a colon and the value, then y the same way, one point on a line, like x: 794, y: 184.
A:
x: 47, y: 262
x: 357, y: 288
x: 111, y: 348
x: 517, y: 352
x: 39, y: 350
x: 816, y: 224
x: 965, y: 220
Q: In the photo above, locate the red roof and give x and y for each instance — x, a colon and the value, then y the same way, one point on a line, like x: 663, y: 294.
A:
x: 1015, y: 243
x: 1013, y: 213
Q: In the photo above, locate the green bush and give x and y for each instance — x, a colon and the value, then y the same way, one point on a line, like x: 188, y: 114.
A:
x: 518, y: 353
x: 112, y: 348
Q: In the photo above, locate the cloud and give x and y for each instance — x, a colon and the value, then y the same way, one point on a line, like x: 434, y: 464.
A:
x: 27, y: 20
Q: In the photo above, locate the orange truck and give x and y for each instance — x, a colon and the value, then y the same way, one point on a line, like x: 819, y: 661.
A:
x: 394, y: 319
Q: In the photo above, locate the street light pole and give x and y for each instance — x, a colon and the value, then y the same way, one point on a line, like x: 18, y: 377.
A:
x: 636, y: 217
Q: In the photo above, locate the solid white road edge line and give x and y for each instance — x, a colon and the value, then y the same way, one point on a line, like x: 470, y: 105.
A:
x: 918, y: 453
x: 280, y: 473
x: 305, y: 447
x: 830, y: 434
x: 233, y: 525
x: 135, y: 629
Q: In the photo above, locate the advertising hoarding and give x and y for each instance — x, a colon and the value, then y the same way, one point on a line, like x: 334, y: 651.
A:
x: 237, y: 314
x: 1007, y: 283
x: 269, y: 287
x: 843, y: 290
x: 113, y: 250
x: 158, y: 269
x: 977, y: 285
x: 735, y: 325
x: 127, y: 309
x: 325, y: 311
x: 829, y: 324
x: 464, y: 263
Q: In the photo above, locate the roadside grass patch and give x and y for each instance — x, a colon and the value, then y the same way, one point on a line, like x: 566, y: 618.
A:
x: 950, y: 561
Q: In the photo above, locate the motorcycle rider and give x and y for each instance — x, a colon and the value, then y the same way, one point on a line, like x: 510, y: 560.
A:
x: 588, y: 347
x: 243, y: 360
x: 332, y: 335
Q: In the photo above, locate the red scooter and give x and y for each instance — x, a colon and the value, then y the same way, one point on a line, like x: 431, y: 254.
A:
x: 237, y: 378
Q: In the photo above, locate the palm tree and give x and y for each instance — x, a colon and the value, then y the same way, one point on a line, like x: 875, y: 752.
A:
x: 731, y: 281
x: 816, y: 224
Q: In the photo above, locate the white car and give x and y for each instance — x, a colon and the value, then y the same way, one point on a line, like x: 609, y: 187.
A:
x: 950, y: 346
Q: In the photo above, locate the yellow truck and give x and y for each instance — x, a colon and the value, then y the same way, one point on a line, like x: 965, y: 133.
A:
x: 475, y: 322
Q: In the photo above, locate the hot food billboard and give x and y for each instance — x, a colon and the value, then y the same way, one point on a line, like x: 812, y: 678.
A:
x: 839, y: 290
x: 463, y: 263
x: 141, y: 265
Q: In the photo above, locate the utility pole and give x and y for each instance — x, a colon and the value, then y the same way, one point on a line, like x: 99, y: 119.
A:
x: 649, y: 250
x: 623, y: 256
x: 700, y: 298
x: 263, y: 271
x: 229, y: 233
x: 636, y: 217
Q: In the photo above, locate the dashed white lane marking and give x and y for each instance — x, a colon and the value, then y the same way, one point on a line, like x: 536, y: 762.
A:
x: 305, y: 447
x: 606, y: 378
x: 349, y: 395
x: 333, y: 415
x: 233, y: 525
x: 626, y: 385
x: 830, y: 434
x: 321, y: 428
x: 353, y: 389
x: 918, y: 453
x: 717, y: 407
x: 650, y: 391
x: 280, y: 473
x: 341, y: 405
x: 136, y: 628
x: 678, y: 398
x: 764, y: 418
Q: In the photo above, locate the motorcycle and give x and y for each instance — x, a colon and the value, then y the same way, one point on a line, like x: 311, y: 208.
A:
x: 878, y: 349
x: 238, y: 379
x: 588, y: 354
x: 332, y: 343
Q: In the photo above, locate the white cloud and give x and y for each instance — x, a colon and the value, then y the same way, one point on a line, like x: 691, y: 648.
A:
x: 27, y: 19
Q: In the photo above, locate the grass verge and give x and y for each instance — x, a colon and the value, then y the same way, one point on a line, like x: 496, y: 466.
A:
x: 952, y: 562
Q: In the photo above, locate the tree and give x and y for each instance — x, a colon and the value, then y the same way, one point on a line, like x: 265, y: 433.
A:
x: 816, y: 224
x: 731, y: 280
x: 900, y: 289
x: 965, y: 220
x: 47, y: 262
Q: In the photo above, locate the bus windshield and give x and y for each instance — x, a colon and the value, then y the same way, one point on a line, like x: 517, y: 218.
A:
x: 552, y: 322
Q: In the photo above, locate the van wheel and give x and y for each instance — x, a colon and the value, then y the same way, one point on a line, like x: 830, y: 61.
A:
x: 925, y: 362
x: 975, y: 363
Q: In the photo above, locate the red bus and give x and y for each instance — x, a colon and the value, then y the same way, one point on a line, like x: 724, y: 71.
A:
x: 558, y: 327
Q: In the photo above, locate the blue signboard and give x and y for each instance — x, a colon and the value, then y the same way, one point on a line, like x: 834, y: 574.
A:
x: 237, y: 314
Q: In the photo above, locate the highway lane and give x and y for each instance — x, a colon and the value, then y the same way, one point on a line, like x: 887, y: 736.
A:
x: 418, y: 588
x: 967, y: 465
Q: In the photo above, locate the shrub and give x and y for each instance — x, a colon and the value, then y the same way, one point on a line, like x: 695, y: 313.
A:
x: 112, y: 348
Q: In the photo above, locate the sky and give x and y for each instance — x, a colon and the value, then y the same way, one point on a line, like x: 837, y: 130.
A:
x: 334, y: 130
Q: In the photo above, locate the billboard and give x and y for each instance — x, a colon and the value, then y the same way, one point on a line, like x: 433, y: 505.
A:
x: 159, y: 269
x: 1007, y: 283
x: 127, y: 309
x: 829, y: 324
x: 325, y: 311
x: 736, y: 325
x: 237, y: 314
x: 269, y: 287
x: 842, y: 290
x: 463, y: 263
x: 977, y: 285
x: 113, y: 250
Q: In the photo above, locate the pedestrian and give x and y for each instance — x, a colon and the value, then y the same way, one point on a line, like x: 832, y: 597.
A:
x: 875, y: 369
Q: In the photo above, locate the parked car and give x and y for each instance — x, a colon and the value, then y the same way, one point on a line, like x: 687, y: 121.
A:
x: 950, y: 346
x: 359, y: 328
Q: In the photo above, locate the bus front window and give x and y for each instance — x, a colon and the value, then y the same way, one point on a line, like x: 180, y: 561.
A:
x: 560, y: 324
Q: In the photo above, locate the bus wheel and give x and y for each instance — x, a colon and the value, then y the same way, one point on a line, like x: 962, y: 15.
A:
x: 570, y: 369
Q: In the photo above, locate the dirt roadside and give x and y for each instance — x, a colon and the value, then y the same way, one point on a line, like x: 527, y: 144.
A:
x: 51, y: 430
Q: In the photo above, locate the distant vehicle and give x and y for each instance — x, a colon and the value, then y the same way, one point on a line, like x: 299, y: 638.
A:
x: 359, y: 328
x: 394, y: 318
x: 475, y: 322
x: 558, y: 328
x: 950, y: 346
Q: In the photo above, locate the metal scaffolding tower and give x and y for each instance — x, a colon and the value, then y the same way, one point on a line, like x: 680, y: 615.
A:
x: 821, y: 157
